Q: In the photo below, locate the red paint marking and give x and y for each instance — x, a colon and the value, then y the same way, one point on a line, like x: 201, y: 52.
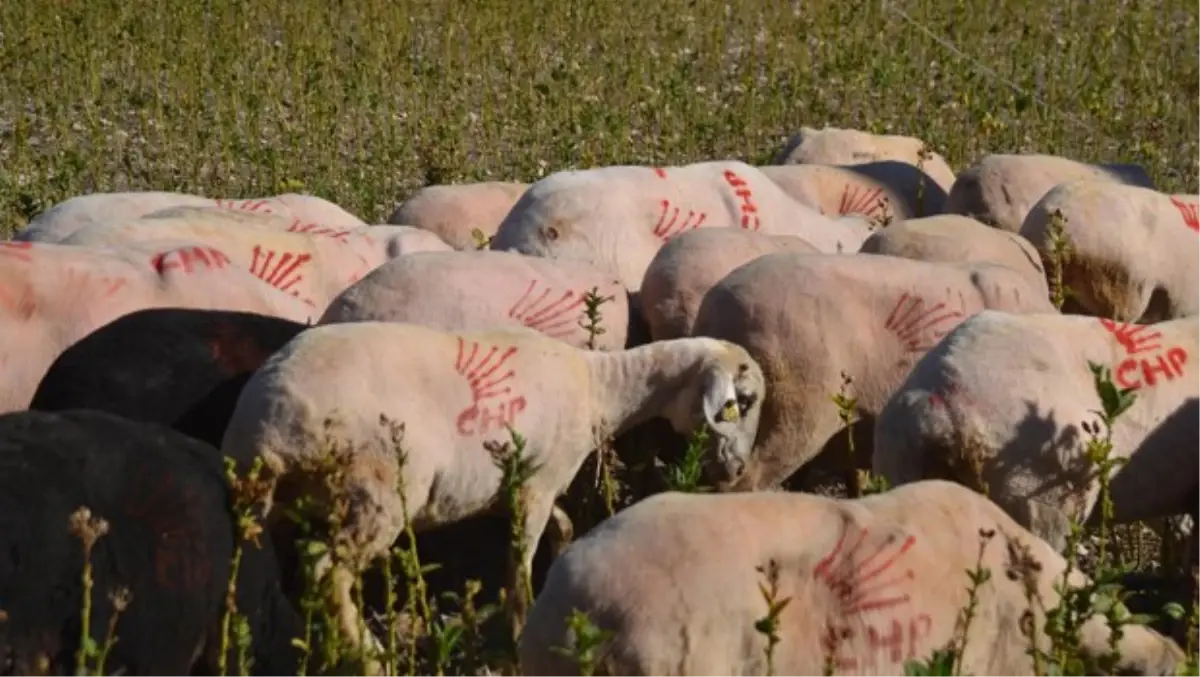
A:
x: 1139, y: 339
x: 487, y: 382
x: 171, y: 516
x: 1133, y: 337
x: 553, y: 317
x: 868, y: 202
x: 112, y: 285
x: 856, y: 576
x: 233, y: 350
x: 741, y: 189
x: 848, y: 580
x: 903, y: 642
x: 1168, y: 364
x: 187, y: 258
x: 909, y: 320
x: 338, y: 234
x: 285, y: 275
x: 665, y: 229
x: 245, y: 205
x: 21, y: 251
x: 660, y: 172
x: 83, y: 281
x: 1189, y: 212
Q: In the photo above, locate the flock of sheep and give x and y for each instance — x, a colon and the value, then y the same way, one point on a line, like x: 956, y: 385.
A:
x: 732, y: 299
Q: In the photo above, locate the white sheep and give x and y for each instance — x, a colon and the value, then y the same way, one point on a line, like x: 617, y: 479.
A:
x: 887, y: 191
x: 839, y: 146
x: 1000, y: 189
x: 453, y: 211
x: 455, y: 392
x: 478, y: 290
x: 810, y: 318
x: 683, y: 271
x: 872, y: 583
x: 60, y: 221
x: 1134, y: 252
x: 1000, y: 404
x: 952, y: 238
x: 617, y: 218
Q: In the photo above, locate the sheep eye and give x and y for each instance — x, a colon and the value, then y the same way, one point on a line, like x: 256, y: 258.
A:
x: 745, y: 401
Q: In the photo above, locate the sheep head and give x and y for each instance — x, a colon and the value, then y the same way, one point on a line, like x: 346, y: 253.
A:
x: 726, y: 399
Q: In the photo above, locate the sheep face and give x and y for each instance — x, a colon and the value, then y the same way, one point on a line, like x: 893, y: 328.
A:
x: 731, y: 393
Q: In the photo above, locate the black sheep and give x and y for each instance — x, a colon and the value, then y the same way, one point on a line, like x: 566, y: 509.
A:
x: 170, y: 540
x: 180, y: 367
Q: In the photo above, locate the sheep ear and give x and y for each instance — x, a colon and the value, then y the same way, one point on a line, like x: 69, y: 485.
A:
x: 720, y: 399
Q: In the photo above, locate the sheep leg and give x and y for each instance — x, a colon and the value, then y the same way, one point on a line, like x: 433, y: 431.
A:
x: 350, y: 620
x: 560, y: 530
x: 534, y: 522
x: 347, y: 612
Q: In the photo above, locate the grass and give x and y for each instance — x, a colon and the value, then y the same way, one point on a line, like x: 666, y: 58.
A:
x: 362, y: 102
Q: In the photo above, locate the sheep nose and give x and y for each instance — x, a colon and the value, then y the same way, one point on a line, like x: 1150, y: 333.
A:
x: 739, y: 468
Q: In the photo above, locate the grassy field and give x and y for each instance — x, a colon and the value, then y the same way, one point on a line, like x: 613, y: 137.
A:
x: 363, y: 101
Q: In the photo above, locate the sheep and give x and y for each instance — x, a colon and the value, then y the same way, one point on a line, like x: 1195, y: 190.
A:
x: 377, y: 243
x: 689, y: 265
x: 312, y: 269
x: 952, y: 238
x: 65, y: 218
x: 616, y: 218
x: 872, y: 583
x: 454, y: 211
x: 395, y: 241
x: 807, y: 319
x: 479, y: 290
x: 181, y: 367
x: 170, y: 542
x: 53, y: 295
x: 886, y: 191
x: 456, y: 393
x: 1001, y: 404
x: 837, y: 146
x: 1000, y: 189
x: 1134, y: 253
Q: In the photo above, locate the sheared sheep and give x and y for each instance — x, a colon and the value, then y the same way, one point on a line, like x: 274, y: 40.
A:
x: 872, y: 583
x: 378, y: 243
x: 837, y: 146
x: 53, y: 295
x: 683, y: 271
x: 66, y: 217
x: 809, y: 318
x: 1134, y: 253
x: 170, y: 543
x: 452, y: 211
x: 1001, y: 403
x: 181, y: 367
x: 312, y: 269
x: 951, y: 238
x: 999, y: 190
x: 457, y: 392
x: 478, y: 290
x: 617, y: 217
x: 884, y: 192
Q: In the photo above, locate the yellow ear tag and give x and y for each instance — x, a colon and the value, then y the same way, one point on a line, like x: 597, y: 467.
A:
x: 730, y: 412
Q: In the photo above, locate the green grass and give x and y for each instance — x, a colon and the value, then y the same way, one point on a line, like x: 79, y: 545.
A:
x: 363, y: 101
